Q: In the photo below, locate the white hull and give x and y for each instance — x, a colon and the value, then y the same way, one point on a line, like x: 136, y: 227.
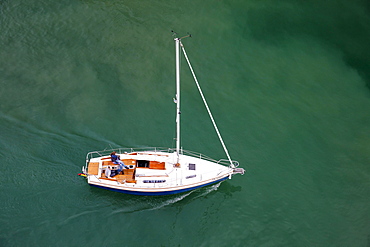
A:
x: 156, y: 172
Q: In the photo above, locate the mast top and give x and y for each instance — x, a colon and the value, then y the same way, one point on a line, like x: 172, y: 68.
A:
x: 175, y: 34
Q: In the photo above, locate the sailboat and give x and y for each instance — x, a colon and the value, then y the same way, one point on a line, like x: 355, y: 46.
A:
x: 160, y: 171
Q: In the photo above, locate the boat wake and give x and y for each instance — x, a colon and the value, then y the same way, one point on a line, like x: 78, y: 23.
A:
x: 207, y: 190
x: 185, y: 198
x: 137, y: 204
x: 169, y: 201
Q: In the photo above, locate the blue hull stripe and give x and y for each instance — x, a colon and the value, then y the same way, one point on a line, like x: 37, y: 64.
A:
x: 159, y: 193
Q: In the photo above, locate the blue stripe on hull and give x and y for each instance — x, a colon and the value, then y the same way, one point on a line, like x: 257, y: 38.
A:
x: 160, y: 193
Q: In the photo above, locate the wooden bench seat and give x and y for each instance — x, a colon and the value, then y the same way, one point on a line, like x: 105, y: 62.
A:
x: 93, y: 168
x: 157, y: 165
x: 127, y: 162
x: 125, y: 178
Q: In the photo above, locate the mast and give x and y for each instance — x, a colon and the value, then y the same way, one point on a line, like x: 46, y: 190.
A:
x: 177, y: 40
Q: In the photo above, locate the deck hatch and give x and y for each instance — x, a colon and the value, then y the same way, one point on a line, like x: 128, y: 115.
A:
x: 143, y: 163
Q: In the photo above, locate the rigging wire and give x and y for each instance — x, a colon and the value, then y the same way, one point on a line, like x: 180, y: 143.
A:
x: 205, y: 103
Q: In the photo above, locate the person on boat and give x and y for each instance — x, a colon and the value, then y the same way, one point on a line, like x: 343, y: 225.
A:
x: 116, y: 160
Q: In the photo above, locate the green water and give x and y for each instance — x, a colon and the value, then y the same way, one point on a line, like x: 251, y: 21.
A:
x: 288, y: 83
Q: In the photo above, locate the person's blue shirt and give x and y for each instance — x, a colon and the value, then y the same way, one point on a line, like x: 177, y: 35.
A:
x: 114, y: 159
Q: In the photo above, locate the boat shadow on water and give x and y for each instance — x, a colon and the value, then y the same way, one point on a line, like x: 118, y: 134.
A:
x: 126, y: 203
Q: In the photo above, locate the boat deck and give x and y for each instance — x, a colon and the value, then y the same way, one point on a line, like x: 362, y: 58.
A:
x: 128, y: 177
x: 153, y: 173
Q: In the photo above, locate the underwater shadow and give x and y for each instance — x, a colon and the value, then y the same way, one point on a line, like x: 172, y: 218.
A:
x: 126, y: 203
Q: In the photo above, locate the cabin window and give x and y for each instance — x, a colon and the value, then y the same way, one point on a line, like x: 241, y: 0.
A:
x: 191, y: 166
x: 143, y: 163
